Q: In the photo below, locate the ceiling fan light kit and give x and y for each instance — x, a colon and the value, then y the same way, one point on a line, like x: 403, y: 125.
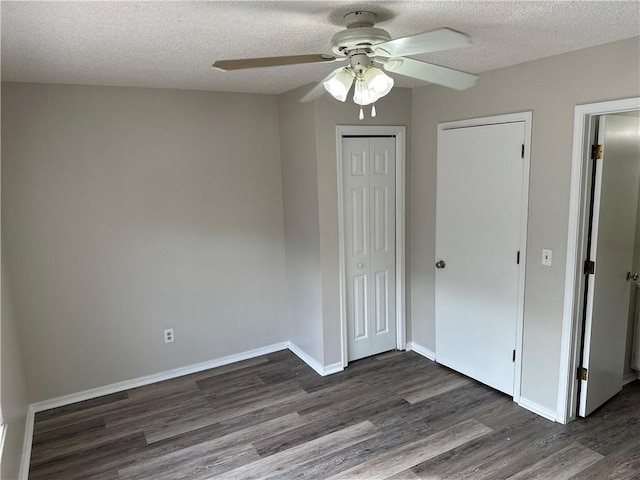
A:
x: 363, y: 45
x: 371, y: 83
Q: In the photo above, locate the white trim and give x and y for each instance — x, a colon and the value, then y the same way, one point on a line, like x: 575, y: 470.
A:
x: 179, y: 372
x: 332, y: 368
x: 630, y: 377
x: 492, y: 120
x: 3, y: 436
x: 306, y: 358
x: 341, y: 255
x: 582, y: 127
x: 545, y: 412
x: 25, y: 460
x: 156, y: 377
x: 320, y: 369
x: 421, y: 350
x: 400, y: 133
x: 527, y: 118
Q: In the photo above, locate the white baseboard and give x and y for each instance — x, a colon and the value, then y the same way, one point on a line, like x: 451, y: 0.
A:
x: 332, y: 368
x: 419, y: 349
x: 630, y: 377
x: 320, y: 369
x: 523, y: 402
x: 25, y: 460
x: 153, y: 378
x: 3, y: 437
x: 545, y: 412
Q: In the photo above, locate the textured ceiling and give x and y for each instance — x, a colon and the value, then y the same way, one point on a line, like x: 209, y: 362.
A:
x: 173, y: 44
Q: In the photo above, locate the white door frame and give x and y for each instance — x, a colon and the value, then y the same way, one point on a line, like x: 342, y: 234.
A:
x: 527, y: 118
x: 400, y: 133
x: 583, y: 130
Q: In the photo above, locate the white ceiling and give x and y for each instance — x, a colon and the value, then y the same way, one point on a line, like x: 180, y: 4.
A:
x: 173, y: 44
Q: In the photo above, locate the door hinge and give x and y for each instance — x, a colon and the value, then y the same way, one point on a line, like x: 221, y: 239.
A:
x: 518, y: 258
x: 589, y: 267
x: 522, y: 151
x: 583, y: 373
x: 596, y: 152
x: 513, y: 356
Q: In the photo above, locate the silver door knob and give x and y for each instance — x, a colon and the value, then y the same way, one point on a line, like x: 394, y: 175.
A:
x: 440, y: 264
x: 360, y: 265
x: 632, y: 276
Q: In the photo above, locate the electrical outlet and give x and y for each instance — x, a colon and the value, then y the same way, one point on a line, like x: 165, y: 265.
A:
x: 168, y: 335
x: 546, y: 257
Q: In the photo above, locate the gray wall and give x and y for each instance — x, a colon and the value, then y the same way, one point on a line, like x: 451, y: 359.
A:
x: 127, y: 211
x: 301, y: 223
x: 551, y: 88
x: 13, y: 385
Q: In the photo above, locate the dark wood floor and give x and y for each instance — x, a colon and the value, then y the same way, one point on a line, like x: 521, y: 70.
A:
x: 396, y: 415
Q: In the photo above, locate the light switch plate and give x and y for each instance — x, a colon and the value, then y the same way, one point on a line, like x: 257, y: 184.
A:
x: 546, y: 257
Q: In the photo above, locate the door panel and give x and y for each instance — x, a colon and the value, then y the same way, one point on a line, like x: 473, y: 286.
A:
x: 612, y: 246
x: 360, y: 302
x: 356, y: 222
x: 383, y: 256
x: 369, y: 193
x: 478, y: 229
x: 380, y: 216
x: 360, y: 221
x: 381, y: 305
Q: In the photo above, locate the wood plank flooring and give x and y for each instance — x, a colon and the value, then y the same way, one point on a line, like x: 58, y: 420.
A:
x: 397, y: 415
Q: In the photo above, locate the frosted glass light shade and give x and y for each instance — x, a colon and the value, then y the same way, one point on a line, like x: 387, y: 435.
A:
x: 378, y: 82
x: 340, y: 84
x: 362, y: 95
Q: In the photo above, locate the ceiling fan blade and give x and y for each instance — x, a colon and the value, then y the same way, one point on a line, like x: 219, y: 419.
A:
x: 319, y: 90
x: 434, y: 41
x: 431, y: 73
x: 271, y: 61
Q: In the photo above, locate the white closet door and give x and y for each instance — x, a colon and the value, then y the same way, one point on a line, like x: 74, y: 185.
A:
x: 369, y: 216
x: 478, y: 229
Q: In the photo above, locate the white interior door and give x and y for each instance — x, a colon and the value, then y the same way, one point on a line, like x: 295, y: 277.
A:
x: 478, y: 234
x: 369, y: 166
x: 615, y: 200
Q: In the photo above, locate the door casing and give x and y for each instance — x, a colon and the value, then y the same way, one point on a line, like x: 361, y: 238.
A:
x: 527, y: 118
x: 368, y: 131
x: 583, y: 134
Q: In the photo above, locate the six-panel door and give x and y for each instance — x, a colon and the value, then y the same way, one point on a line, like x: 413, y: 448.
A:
x: 369, y: 166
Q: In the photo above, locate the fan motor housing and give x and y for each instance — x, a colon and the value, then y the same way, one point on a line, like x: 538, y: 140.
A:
x: 357, y: 38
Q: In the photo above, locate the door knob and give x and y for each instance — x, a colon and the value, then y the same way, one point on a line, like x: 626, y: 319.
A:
x: 632, y: 276
x: 440, y: 264
x: 360, y: 265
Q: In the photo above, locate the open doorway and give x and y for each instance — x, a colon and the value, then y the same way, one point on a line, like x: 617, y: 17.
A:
x: 602, y: 257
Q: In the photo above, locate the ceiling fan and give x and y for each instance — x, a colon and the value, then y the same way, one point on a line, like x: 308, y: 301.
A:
x: 364, y: 46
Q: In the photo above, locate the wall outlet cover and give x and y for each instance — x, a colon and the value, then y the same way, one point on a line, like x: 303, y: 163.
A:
x: 169, y: 336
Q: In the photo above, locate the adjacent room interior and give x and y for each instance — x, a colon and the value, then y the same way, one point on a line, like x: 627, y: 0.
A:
x: 227, y: 254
